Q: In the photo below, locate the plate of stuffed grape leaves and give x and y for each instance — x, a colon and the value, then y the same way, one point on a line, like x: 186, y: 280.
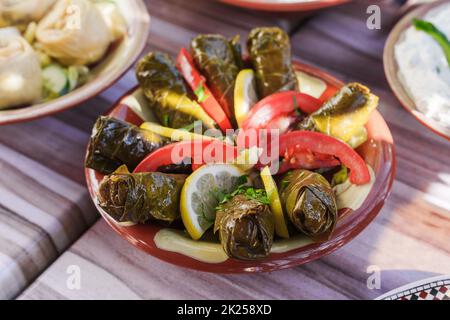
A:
x: 233, y: 162
x: 285, y: 5
x: 55, y: 54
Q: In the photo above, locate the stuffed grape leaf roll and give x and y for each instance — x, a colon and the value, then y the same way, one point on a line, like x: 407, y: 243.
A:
x: 246, y: 227
x: 309, y: 202
x: 270, y: 54
x: 140, y: 197
x: 344, y: 115
x: 115, y: 142
x: 219, y: 60
x: 164, y: 87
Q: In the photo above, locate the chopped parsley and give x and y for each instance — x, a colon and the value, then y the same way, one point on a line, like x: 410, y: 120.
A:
x: 250, y: 192
x: 200, y: 93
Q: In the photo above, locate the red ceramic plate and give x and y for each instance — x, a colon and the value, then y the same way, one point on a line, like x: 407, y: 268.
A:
x: 391, y: 69
x: 285, y: 5
x: 116, y: 62
x: 378, y: 151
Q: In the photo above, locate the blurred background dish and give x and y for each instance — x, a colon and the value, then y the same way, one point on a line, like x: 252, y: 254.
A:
x: 76, y: 64
x: 285, y: 5
x: 416, y: 68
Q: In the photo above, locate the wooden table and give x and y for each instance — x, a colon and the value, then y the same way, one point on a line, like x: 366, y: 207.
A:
x: 44, y: 205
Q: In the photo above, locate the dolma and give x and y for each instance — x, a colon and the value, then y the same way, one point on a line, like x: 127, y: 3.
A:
x: 246, y: 228
x: 344, y: 115
x: 74, y: 32
x: 115, y: 142
x: 219, y: 61
x: 309, y: 202
x: 164, y: 87
x: 270, y: 54
x: 140, y: 197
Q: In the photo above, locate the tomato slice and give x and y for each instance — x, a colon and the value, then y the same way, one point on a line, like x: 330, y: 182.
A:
x: 277, y: 105
x: 199, y: 151
x: 124, y: 112
x: 298, y: 157
x: 321, y: 145
x: 197, y: 83
x: 282, y: 123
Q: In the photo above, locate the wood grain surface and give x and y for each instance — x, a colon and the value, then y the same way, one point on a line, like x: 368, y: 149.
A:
x: 44, y: 205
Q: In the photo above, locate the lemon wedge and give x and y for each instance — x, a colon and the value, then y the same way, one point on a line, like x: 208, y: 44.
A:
x: 173, y: 134
x: 201, y: 194
x: 275, y: 203
x: 245, y: 95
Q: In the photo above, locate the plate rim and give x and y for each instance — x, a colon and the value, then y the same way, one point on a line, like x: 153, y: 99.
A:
x: 299, y: 5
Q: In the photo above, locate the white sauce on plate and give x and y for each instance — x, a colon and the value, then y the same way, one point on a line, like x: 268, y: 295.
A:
x: 347, y: 195
x: 423, y: 68
x: 352, y: 196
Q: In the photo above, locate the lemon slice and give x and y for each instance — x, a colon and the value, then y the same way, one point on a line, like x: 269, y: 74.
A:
x: 174, y: 134
x: 201, y: 194
x: 245, y: 95
x: 275, y: 203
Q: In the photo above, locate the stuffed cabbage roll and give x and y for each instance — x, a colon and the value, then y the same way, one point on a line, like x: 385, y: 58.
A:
x: 220, y: 61
x: 21, y: 12
x: 20, y: 70
x: 309, y: 202
x: 140, y: 197
x: 246, y: 228
x: 344, y: 115
x: 74, y: 32
x: 165, y: 89
x: 115, y: 142
x: 270, y: 55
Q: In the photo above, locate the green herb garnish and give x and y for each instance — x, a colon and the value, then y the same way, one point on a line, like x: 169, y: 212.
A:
x: 200, y: 93
x: 436, y: 34
x: 250, y: 192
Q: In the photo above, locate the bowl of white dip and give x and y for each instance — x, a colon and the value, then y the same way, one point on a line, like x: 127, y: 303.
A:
x: 417, y: 69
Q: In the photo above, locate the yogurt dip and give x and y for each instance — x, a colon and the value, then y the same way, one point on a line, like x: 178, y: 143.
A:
x: 423, y: 69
